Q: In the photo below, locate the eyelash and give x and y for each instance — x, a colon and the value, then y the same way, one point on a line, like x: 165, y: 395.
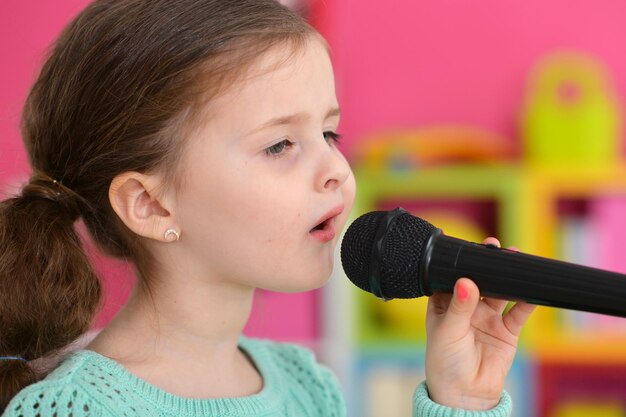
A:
x: 279, y: 149
x: 333, y: 137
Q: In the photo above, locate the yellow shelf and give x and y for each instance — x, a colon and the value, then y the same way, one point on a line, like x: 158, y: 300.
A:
x: 527, y: 204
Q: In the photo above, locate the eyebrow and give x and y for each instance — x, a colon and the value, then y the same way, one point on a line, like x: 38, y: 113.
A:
x: 292, y: 118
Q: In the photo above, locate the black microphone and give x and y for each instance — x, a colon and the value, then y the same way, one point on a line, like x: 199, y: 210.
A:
x: 394, y: 254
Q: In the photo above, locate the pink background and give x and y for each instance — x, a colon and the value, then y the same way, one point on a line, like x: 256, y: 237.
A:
x: 26, y: 29
x: 406, y: 63
x: 399, y: 63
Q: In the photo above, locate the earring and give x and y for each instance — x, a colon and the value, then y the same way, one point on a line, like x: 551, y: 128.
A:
x: 171, y: 235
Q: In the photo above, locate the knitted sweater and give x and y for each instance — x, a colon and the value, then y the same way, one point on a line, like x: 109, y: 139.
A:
x: 89, y: 384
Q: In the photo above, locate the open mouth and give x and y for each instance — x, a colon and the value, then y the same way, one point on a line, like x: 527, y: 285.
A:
x: 324, y: 231
x: 322, y: 226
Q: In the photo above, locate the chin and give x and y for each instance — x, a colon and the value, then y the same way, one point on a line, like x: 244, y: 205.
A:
x: 319, y: 284
x: 301, y: 284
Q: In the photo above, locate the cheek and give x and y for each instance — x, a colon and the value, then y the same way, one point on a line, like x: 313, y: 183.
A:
x: 277, y: 226
x: 243, y: 198
x: 270, y: 216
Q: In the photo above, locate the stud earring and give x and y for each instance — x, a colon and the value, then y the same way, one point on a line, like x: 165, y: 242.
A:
x: 171, y: 235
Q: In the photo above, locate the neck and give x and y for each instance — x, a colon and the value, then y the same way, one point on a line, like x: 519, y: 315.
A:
x: 188, y: 324
x: 178, y: 319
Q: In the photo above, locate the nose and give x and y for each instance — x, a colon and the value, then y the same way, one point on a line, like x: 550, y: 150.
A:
x: 333, y: 171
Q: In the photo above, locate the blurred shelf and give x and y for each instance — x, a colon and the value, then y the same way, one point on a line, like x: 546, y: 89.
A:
x: 526, y: 200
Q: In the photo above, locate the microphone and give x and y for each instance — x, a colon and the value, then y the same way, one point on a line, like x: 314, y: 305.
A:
x: 393, y: 254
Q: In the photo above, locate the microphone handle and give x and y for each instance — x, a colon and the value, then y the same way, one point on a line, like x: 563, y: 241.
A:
x: 515, y: 276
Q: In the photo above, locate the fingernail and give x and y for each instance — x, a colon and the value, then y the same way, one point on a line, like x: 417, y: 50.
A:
x: 461, y: 292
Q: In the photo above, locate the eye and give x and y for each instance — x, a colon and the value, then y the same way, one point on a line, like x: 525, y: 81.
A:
x: 279, y: 148
x: 332, y: 137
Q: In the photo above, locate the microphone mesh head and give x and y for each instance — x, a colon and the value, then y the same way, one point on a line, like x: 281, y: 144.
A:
x: 399, y: 263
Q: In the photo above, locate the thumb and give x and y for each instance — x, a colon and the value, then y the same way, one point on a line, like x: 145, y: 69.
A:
x: 462, y: 306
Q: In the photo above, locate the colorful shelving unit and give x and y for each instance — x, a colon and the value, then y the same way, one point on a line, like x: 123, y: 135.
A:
x: 564, y: 198
x: 568, y: 362
x: 473, y: 200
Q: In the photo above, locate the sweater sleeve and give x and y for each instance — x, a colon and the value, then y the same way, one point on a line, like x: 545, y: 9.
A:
x: 423, y: 406
x: 336, y: 400
x: 52, y: 400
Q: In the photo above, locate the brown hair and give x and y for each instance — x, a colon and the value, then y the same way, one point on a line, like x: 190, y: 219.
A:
x: 117, y: 93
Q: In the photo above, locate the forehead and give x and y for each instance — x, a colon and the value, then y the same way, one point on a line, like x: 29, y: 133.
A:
x: 284, y: 80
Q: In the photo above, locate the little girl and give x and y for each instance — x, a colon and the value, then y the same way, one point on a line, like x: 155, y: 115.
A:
x: 197, y: 139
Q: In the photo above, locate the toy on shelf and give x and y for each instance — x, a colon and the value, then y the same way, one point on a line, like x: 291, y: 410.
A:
x: 571, y: 115
x: 405, y: 150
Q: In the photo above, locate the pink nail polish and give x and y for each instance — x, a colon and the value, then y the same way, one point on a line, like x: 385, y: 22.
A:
x: 461, y: 292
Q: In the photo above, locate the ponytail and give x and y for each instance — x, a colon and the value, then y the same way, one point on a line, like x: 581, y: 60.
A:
x: 49, y: 292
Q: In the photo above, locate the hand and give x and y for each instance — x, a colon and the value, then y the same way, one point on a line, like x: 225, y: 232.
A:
x: 470, y: 345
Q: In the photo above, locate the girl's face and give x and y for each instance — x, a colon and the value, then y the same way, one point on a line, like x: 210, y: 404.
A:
x: 266, y: 192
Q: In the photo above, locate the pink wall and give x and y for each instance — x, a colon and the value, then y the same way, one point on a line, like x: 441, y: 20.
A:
x: 406, y: 63
x: 27, y: 27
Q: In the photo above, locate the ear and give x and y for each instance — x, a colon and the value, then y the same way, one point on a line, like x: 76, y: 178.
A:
x: 137, y: 202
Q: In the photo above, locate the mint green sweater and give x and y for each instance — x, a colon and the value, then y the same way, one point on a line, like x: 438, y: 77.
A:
x: 295, y: 385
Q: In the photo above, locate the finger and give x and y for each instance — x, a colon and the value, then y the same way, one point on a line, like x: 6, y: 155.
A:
x: 462, y: 306
x: 437, y: 306
x: 515, y: 319
x: 438, y: 303
x: 496, y: 304
x: 491, y: 241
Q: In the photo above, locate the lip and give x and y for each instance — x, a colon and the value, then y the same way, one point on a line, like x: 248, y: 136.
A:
x: 327, y: 232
